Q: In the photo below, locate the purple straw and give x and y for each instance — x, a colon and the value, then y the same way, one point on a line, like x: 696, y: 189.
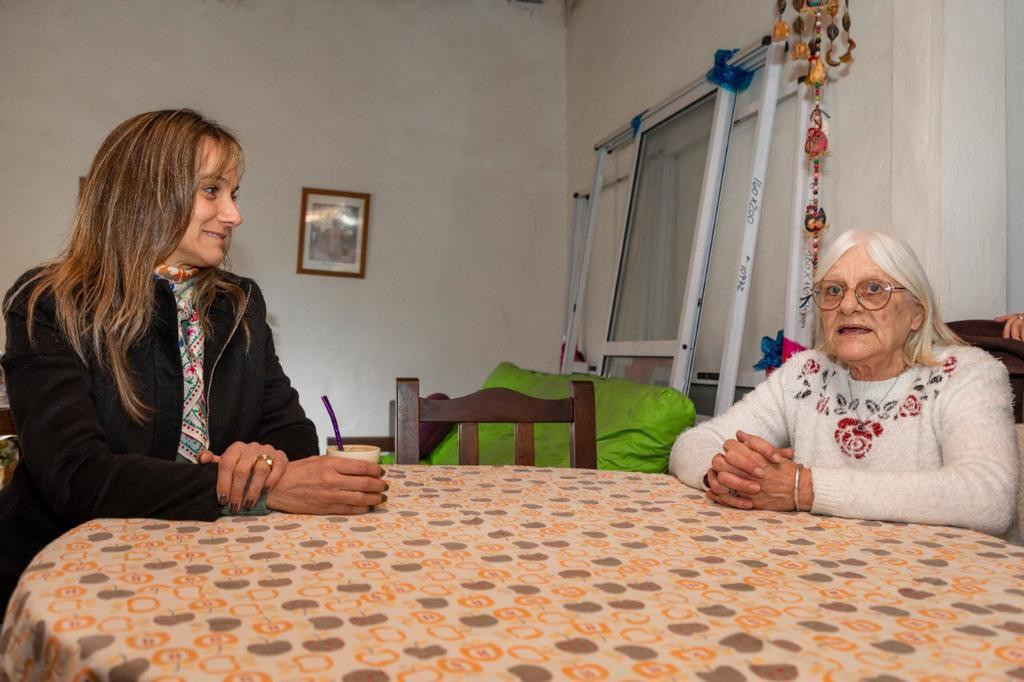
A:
x: 334, y: 421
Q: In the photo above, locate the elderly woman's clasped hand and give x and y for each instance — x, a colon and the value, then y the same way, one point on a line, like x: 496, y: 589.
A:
x: 751, y: 473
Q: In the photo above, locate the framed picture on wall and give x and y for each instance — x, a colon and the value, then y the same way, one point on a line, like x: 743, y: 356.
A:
x: 333, y: 229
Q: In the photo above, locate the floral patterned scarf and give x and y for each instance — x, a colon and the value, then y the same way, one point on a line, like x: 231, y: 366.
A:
x: 195, y: 432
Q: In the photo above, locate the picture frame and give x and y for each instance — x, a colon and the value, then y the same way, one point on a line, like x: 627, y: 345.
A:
x: 333, y: 230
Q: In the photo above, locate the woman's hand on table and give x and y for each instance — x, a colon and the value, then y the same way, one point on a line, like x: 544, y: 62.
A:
x: 774, y: 490
x: 776, y: 493
x: 748, y: 474
x: 743, y: 461
x: 329, y: 485
x: 1013, y: 326
x: 727, y: 495
x: 244, y: 472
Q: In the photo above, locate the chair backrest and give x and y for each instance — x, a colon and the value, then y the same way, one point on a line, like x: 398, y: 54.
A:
x: 988, y: 335
x: 497, y: 405
x: 7, y: 433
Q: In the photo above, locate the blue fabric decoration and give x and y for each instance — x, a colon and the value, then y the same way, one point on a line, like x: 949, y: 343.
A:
x: 772, y: 349
x: 729, y: 77
x: 635, y: 123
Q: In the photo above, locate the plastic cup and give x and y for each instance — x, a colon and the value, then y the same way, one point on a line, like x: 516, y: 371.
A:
x: 366, y: 453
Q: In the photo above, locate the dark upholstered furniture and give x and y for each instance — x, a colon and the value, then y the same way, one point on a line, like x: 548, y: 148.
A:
x: 988, y: 334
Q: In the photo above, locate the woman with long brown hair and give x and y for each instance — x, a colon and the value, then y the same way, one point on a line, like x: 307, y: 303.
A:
x: 142, y: 377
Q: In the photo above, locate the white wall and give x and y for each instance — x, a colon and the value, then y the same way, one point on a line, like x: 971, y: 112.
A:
x: 914, y: 149
x: 974, y: 227
x: 1015, y: 156
x: 949, y: 148
x: 451, y: 113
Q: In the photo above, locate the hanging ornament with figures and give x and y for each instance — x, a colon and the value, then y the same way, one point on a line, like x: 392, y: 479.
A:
x: 814, y: 19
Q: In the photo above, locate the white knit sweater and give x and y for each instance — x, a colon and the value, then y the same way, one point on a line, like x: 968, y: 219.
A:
x: 932, y: 446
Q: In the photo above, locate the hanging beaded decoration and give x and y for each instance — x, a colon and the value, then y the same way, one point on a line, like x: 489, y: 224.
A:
x: 780, y: 31
x: 817, y: 15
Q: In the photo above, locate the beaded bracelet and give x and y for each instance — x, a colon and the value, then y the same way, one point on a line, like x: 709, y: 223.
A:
x: 796, y: 487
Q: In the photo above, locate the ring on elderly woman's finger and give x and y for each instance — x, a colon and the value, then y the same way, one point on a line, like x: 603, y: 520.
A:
x: 1020, y: 316
x: 269, y: 462
x: 731, y: 492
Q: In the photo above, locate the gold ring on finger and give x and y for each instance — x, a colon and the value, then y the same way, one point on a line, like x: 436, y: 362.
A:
x: 269, y: 461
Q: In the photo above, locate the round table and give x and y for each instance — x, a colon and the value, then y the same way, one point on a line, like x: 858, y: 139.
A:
x: 506, y: 573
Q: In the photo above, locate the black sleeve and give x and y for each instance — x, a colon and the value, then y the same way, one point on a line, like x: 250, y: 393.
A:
x: 63, y: 447
x: 283, y: 423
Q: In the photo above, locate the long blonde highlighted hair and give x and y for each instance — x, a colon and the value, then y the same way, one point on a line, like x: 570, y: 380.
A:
x: 132, y: 212
x: 899, y: 261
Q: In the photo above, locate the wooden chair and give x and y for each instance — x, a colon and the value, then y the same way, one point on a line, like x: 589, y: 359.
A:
x: 7, y: 432
x: 497, y: 405
x: 7, y: 425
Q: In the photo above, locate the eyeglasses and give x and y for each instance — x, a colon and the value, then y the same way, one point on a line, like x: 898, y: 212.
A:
x: 872, y: 294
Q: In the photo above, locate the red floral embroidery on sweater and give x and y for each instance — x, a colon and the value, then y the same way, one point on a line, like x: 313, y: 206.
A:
x: 911, y: 407
x: 854, y: 436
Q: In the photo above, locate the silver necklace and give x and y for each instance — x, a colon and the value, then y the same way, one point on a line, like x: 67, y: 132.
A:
x: 855, y: 402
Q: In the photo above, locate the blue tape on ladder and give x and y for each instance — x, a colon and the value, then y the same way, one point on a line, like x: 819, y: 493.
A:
x: 732, y: 78
x: 635, y: 123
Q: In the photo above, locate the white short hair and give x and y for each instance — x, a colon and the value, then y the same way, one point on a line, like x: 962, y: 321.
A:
x: 899, y: 262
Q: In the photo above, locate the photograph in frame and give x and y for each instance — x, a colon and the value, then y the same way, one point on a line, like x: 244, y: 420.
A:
x: 333, y: 228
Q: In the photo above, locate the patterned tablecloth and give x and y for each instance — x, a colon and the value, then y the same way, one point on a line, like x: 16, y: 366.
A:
x: 520, y: 574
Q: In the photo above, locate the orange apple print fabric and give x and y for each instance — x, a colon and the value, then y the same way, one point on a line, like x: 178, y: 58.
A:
x: 525, y: 575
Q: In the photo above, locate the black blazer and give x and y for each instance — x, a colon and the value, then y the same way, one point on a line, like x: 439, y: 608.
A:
x: 82, y: 457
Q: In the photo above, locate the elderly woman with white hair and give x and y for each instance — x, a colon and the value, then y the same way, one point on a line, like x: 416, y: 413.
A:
x: 891, y: 417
